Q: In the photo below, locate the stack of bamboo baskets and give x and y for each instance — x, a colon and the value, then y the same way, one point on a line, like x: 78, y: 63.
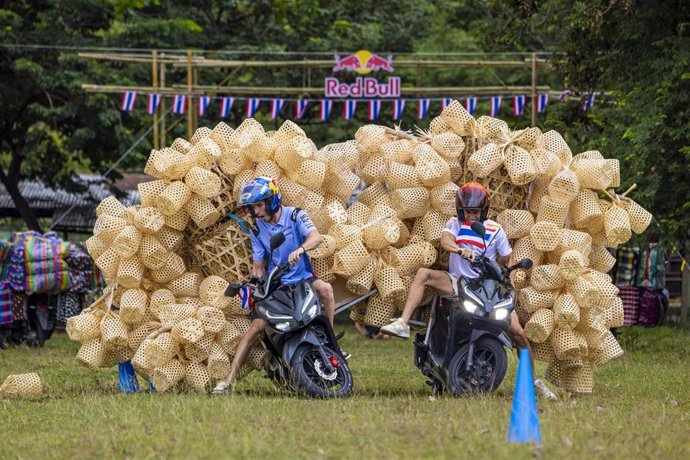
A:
x: 168, y: 260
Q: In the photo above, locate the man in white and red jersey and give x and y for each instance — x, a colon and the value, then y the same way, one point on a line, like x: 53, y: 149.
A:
x: 463, y: 244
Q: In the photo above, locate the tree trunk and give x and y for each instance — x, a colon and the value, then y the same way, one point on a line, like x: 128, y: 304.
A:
x: 20, y: 203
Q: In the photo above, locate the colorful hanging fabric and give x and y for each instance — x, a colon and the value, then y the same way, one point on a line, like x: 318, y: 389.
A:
x: 5, y: 303
x: 626, y: 264
x: 651, y: 269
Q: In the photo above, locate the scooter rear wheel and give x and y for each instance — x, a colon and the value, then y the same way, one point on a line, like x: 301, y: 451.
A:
x: 311, y: 377
x: 489, y: 366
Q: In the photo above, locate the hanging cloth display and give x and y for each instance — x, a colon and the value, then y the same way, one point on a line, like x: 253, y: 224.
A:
x: 626, y: 265
x: 651, y: 271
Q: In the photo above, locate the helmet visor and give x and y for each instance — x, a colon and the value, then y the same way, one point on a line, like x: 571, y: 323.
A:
x: 252, y: 193
x: 472, y: 197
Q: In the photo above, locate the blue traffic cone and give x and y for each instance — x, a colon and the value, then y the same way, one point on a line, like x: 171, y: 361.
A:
x: 524, y: 420
x: 127, y: 378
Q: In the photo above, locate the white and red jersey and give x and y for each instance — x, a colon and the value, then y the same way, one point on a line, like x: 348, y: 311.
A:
x: 495, y: 239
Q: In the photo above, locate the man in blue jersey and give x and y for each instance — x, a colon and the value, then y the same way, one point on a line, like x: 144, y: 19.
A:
x: 262, y: 198
x: 463, y: 244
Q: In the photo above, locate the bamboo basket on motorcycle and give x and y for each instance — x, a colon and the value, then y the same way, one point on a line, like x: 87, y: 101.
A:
x: 566, y: 311
x: 379, y: 311
x: 516, y: 223
x: 545, y: 235
x: 607, y: 349
x: 360, y: 283
x: 639, y: 217
x: 565, y: 344
x: 167, y: 376
x: 410, y: 202
x: 540, y: 325
x: 388, y: 282
x: 459, y: 119
x: 532, y: 300
x: 224, y: 250
x: 579, y: 380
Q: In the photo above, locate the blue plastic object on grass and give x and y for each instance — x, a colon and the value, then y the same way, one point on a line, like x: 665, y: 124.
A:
x: 524, y: 420
x: 127, y: 378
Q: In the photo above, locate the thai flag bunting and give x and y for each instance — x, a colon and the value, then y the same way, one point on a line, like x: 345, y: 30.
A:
x: 374, y: 109
x: 422, y: 108
x: 471, y: 104
x: 247, y: 297
x: 495, y: 105
x: 445, y: 102
x: 276, y: 107
x: 589, y: 100
x: 398, y: 108
x: 349, y: 109
x: 326, y: 106
x: 225, y: 106
x: 252, y: 106
x: 564, y: 94
x: 301, y: 107
x: 542, y: 100
x: 518, y: 105
x: 152, y: 103
x: 128, y: 100
x: 179, y: 104
x: 204, y: 101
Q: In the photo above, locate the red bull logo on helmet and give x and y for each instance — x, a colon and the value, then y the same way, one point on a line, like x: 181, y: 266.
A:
x: 363, y: 62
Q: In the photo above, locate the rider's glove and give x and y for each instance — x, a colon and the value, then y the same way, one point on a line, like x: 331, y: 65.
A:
x: 254, y: 280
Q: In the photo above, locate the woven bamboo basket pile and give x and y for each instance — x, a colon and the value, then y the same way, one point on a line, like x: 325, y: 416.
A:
x: 559, y: 209
x: 380, y: 201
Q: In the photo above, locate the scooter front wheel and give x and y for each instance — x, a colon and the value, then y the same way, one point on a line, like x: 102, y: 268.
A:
x: 489, y: 366
x: 312, y: 377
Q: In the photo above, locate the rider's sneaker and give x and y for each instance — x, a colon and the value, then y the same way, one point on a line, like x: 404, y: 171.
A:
x: 543, y: 390
x: 222, y: 389
x: 398, y: 328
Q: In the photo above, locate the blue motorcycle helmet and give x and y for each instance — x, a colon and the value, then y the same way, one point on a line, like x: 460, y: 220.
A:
x: 261, y: 189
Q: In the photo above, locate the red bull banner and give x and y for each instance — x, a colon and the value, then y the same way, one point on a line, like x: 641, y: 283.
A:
x: 363, y: 62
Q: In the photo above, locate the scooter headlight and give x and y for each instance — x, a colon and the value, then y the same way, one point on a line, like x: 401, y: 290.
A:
x: 309, y: 315
x: 500, y: 314
x: 282, y: 326
x: 469, y: 306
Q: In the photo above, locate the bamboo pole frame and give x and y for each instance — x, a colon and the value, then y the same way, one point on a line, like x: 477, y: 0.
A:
x: 197, y: 90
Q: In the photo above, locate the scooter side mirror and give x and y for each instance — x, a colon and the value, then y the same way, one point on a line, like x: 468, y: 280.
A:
x: 525, y: 263
x: 277, y: 240
x: 478, y: 228
x: 232, y: 290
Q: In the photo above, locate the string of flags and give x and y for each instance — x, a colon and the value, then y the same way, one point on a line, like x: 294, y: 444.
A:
x: 277, y: 105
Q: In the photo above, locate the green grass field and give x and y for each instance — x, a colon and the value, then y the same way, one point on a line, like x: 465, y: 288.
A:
x: 640, y: 409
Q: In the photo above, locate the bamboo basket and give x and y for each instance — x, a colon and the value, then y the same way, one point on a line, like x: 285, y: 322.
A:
x: 223, y: 250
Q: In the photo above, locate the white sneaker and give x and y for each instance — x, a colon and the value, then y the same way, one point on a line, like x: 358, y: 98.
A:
x: 222, y: 389
x: 544, y: 391
x: 398, y: 328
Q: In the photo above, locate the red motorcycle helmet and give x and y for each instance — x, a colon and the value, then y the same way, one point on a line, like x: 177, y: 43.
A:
x: 472, y: 195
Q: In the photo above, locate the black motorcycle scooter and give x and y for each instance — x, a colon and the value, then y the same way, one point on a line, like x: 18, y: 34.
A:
x: 463, y: 349
x: 305, y: 355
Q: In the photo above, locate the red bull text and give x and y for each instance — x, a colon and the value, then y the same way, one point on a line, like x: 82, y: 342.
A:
x: 363, y: 87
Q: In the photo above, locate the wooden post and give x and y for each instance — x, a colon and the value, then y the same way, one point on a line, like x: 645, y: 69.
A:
x: 684, y: 295
x: 163, y: 107
x: 190, y: 105
x: 534, y: 89
x: 154, y: 77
